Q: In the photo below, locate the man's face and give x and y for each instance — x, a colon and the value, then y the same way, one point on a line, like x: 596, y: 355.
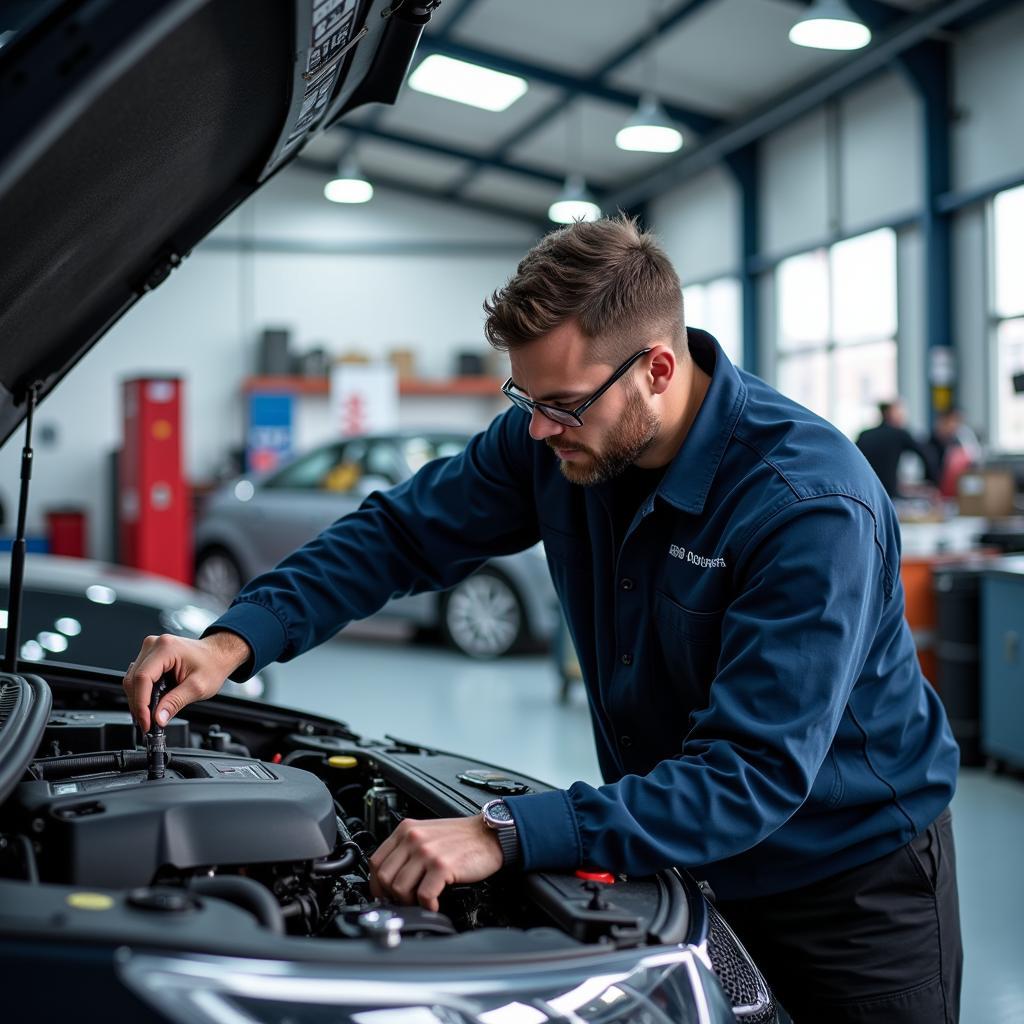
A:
x: 617, y: 429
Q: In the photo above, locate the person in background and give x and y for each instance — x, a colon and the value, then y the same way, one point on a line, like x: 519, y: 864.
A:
x: 884, y: 445
x: 953, y: 449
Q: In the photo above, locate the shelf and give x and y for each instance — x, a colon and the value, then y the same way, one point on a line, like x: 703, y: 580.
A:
x: 474, y: 387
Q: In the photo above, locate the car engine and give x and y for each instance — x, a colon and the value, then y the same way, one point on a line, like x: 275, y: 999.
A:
x: 263, y: 835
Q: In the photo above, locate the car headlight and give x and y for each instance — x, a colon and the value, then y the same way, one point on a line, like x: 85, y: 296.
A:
x: 671, y: 987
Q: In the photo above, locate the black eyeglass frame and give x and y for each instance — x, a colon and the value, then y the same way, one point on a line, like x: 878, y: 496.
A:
x: 554, y: 412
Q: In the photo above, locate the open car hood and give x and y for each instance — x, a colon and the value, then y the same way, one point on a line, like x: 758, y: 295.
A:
x: 131, y: 129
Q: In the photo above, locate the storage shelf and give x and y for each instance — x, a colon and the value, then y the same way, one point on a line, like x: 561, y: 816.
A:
x: 474, y: 387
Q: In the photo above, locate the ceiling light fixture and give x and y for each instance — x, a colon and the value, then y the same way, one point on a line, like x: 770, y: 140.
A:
x: 649, y: 130
x: 350, y: 186
x: 575, y: 202
x: 830, y: 25
x: 463, y: 82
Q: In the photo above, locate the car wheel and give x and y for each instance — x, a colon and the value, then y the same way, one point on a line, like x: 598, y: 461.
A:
x: 483, y: 616
x: 218, y: 573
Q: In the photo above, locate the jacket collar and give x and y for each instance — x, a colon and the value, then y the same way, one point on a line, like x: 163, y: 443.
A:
x: 691, y: 472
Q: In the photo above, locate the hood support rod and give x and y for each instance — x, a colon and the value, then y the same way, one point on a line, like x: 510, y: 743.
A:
x: 18, y: 547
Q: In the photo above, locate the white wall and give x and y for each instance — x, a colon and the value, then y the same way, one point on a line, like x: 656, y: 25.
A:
x: 988, y: 81
x: 881, y: 170
x: 699, y: 226
x: 203, y: 322
x: 795, y: 186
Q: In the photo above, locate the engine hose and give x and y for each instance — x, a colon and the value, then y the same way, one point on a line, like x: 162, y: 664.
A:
x: 112, y: 761
x: 246, y: 893
x: 84, y: 764
x: 348, y: 859
x: 28, y: 854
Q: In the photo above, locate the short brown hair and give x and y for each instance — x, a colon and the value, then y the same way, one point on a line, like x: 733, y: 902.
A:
x: 612, y: 278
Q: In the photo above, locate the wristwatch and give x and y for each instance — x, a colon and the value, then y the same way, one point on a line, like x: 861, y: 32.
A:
x: 497, y: 816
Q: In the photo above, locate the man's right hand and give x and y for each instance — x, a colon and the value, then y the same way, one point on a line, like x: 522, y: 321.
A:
x: 199, y: 666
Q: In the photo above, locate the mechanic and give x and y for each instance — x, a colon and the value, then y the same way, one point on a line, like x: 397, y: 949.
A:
x: 728, y: 565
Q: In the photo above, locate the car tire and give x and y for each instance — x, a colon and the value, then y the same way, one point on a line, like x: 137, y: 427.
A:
x: 483, y: 616
x: 219, y: 574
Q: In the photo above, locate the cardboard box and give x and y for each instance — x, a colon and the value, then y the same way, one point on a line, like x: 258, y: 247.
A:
x: 986, y: 492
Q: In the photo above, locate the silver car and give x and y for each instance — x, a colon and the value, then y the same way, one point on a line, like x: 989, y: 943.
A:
x: 251, y: 523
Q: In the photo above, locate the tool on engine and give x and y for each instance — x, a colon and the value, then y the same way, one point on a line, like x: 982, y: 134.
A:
x: 156, y: 738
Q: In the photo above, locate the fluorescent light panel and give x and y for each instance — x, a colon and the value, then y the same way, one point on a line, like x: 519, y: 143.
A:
x: 467, y: 83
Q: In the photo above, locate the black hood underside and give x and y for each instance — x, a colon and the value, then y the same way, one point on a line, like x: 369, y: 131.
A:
x: 131, y: 129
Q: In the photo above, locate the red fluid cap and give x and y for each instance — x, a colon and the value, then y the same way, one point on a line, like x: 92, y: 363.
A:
x: 604, y: 877
x: 276, y: 759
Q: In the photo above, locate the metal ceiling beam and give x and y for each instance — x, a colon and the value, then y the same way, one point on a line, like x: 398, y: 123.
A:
x: 374, y: 118
x: 325, y: 169
x: 592, y: 86
x: 454, y: 152
x: 906, y: 33
x: 664, y: 24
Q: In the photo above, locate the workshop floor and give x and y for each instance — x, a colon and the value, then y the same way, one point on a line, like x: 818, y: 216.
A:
x: 507, y: 713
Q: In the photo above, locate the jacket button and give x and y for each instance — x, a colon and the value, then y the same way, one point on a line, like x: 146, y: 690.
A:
x: 627, y: 584
x: 627, y: 659
x: 625, y: 741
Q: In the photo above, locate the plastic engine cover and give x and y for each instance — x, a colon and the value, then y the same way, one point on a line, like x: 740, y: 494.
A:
x: 117, y: 830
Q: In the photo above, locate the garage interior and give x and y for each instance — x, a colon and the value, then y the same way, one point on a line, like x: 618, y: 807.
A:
x: 848, y: 223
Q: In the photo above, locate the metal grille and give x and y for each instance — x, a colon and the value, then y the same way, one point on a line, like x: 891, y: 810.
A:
x: 747, y: 990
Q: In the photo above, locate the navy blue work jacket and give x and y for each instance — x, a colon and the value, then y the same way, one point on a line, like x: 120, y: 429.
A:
x: 759, y: 711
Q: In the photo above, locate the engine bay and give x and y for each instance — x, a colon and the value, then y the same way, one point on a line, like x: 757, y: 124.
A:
x: 280, y: 826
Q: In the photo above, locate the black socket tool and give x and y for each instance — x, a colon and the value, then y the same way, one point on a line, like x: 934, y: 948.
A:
x: 156, y: 739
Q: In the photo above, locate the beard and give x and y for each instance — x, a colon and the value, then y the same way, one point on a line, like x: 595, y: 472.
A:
x: 627, y: 441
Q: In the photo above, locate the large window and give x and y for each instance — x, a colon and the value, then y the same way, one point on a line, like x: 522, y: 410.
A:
x: 1008, y: 319
x: 716, y: 308
x: 837, y: 329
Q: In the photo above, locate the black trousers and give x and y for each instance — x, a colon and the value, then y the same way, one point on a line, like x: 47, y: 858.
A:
x: 878, y: 943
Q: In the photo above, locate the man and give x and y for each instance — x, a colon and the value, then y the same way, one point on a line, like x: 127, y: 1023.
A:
x: 883, y: 446
x: 729, y: 568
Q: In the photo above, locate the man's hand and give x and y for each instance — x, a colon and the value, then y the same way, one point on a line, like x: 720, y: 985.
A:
x: 200, y: 667
x: 420, y: 858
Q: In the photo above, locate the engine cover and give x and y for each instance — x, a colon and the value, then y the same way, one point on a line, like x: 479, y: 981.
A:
x: 118, y: 829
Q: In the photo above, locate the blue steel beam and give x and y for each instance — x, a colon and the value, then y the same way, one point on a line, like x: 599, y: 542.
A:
x: 664, y: 24
x: 325, y: 169
x: 907, y: 33
x: 454, y: 152
x: 373, y: 120
x: 745, y: 167
x: 927, y: 67
x: 592, y: 86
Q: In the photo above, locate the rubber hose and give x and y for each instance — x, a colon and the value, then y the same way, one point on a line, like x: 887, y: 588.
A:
x: 341, y: 864
x: 246, y: 893
x: 112, y: 761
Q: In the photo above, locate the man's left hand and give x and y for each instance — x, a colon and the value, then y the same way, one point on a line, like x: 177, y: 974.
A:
x: 418, y: 859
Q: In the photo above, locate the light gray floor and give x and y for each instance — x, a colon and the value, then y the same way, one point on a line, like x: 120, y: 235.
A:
x: 507, y: 713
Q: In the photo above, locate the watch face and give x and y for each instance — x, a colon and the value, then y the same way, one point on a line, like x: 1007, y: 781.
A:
x: 498, y: 811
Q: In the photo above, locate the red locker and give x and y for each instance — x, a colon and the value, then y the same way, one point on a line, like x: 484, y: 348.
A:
x: 154, y: 516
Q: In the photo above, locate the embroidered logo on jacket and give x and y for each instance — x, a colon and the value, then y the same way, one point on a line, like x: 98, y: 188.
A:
x: 694, y: 559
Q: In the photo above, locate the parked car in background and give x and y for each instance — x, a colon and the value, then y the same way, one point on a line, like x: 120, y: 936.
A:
x: 82, y: 612
x: 251, y: 523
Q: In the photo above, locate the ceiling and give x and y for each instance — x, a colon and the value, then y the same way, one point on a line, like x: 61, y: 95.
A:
x: 714, y: 63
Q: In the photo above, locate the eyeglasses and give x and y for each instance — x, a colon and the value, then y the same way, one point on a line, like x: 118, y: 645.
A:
x: 566, y: 417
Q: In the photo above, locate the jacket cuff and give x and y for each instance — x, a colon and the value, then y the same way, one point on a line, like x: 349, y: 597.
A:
x: 260, y: 628
x: 549, y: 838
